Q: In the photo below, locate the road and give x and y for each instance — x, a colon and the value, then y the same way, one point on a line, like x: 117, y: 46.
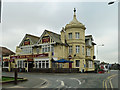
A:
x: 66, y: 80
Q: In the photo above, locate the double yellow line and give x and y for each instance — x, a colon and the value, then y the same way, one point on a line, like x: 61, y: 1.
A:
x: 108, y: 78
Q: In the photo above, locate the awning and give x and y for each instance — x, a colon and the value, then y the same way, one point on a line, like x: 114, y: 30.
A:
x: 63, y: 61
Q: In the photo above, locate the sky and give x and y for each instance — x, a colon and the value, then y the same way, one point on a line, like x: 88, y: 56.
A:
x: 99, y: 18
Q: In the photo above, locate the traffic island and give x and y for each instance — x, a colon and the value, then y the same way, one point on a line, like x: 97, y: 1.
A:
x: 6, y: 79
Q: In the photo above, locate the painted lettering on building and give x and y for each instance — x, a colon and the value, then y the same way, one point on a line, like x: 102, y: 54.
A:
x: 29, y: 56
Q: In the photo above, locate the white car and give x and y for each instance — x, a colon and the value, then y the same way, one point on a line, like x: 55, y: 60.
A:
x: 105, y: 68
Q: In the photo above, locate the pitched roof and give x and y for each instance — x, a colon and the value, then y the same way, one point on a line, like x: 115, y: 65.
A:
x: 88, y: 37
x: 56, y: 37
x: 94, y: 43
x: 5, y: 51
x: 33, y: 38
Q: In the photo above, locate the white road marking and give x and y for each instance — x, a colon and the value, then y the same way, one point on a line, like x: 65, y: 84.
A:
x: 62, y: 83
x: 111, y: 84
x: 17, y: 87
x: 77, y: 80
x: 40, y: 86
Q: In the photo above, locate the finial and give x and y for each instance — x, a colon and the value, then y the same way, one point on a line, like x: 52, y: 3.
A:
x: 74, y: 12
x: 62, y: 29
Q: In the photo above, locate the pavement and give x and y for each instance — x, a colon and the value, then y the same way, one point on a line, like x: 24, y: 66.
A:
x: 65, y: 80
x: 32, y: 82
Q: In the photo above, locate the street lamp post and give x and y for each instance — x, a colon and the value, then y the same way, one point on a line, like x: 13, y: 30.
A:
x: 97, y: 49
x: 113, y: 2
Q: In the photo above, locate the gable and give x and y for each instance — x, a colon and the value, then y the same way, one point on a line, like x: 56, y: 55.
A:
x: 50, y: 36
x: 26, y: 41
x: 29, y: 40
x: 45, y: 38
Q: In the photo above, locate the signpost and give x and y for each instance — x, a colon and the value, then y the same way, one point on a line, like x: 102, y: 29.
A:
x: 15, y: 74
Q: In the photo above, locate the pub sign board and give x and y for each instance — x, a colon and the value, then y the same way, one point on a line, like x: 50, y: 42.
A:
x: 29, y: 56
x: 27, y: 42
x: 46, y: 39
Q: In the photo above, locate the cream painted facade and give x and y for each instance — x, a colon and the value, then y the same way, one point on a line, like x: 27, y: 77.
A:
x: 40, y: 52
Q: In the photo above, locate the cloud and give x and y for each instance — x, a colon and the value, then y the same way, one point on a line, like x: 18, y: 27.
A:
x: 100, y: 20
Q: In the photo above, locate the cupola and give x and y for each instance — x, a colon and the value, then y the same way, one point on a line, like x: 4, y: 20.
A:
x: 75, y: 23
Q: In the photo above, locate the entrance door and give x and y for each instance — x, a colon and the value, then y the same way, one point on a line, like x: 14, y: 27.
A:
x: 70, y: 65
x: 30, y: 64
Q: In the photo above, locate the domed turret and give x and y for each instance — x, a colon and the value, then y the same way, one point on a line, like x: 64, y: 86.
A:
x: 75, y: 23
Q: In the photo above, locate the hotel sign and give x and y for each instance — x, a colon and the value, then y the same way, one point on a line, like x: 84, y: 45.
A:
x: 28, y: 56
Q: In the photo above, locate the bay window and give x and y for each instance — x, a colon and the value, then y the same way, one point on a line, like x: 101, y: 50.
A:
x: 77, y: 35
x: 46, y: 48
x: 88, y: 52
x: 70, y: 35
x: 90, y: 64
x: 70, y: 49
x: 77, y: 49
x: 82, y: 49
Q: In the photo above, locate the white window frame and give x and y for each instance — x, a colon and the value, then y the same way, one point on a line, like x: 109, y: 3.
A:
x: 22, y: 65
x: 88, y: 52
x: 26, y: 50
x: 38, y: 60
x: 90, y: 64
x: 77, y: 35
x: 83, y: 48
x: 70, y: 49
x: 47, y: 48
x: 4, y: 65
x: 70, y: 35
x: 77, y: 48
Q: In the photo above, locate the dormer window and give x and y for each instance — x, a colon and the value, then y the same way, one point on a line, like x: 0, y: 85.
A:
x: 70, y: 35
x: 77, y: 35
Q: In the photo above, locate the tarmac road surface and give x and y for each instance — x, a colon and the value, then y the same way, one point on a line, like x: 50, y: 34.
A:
x: 65, y: 80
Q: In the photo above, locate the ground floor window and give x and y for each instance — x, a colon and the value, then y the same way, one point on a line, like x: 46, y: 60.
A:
x: 42, y: 64
x: 87, y: 64
x: 20, y: 64
x: 5, y: 63
x: 54, y: 65
x: 47, y: 64
x: 90, y: 64
x: 77, y: 63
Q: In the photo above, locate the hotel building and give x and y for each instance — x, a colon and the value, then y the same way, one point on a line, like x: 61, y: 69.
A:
x: 43, y: 52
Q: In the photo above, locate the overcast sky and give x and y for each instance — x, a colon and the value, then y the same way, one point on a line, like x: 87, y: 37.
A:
x: 100, y: 20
